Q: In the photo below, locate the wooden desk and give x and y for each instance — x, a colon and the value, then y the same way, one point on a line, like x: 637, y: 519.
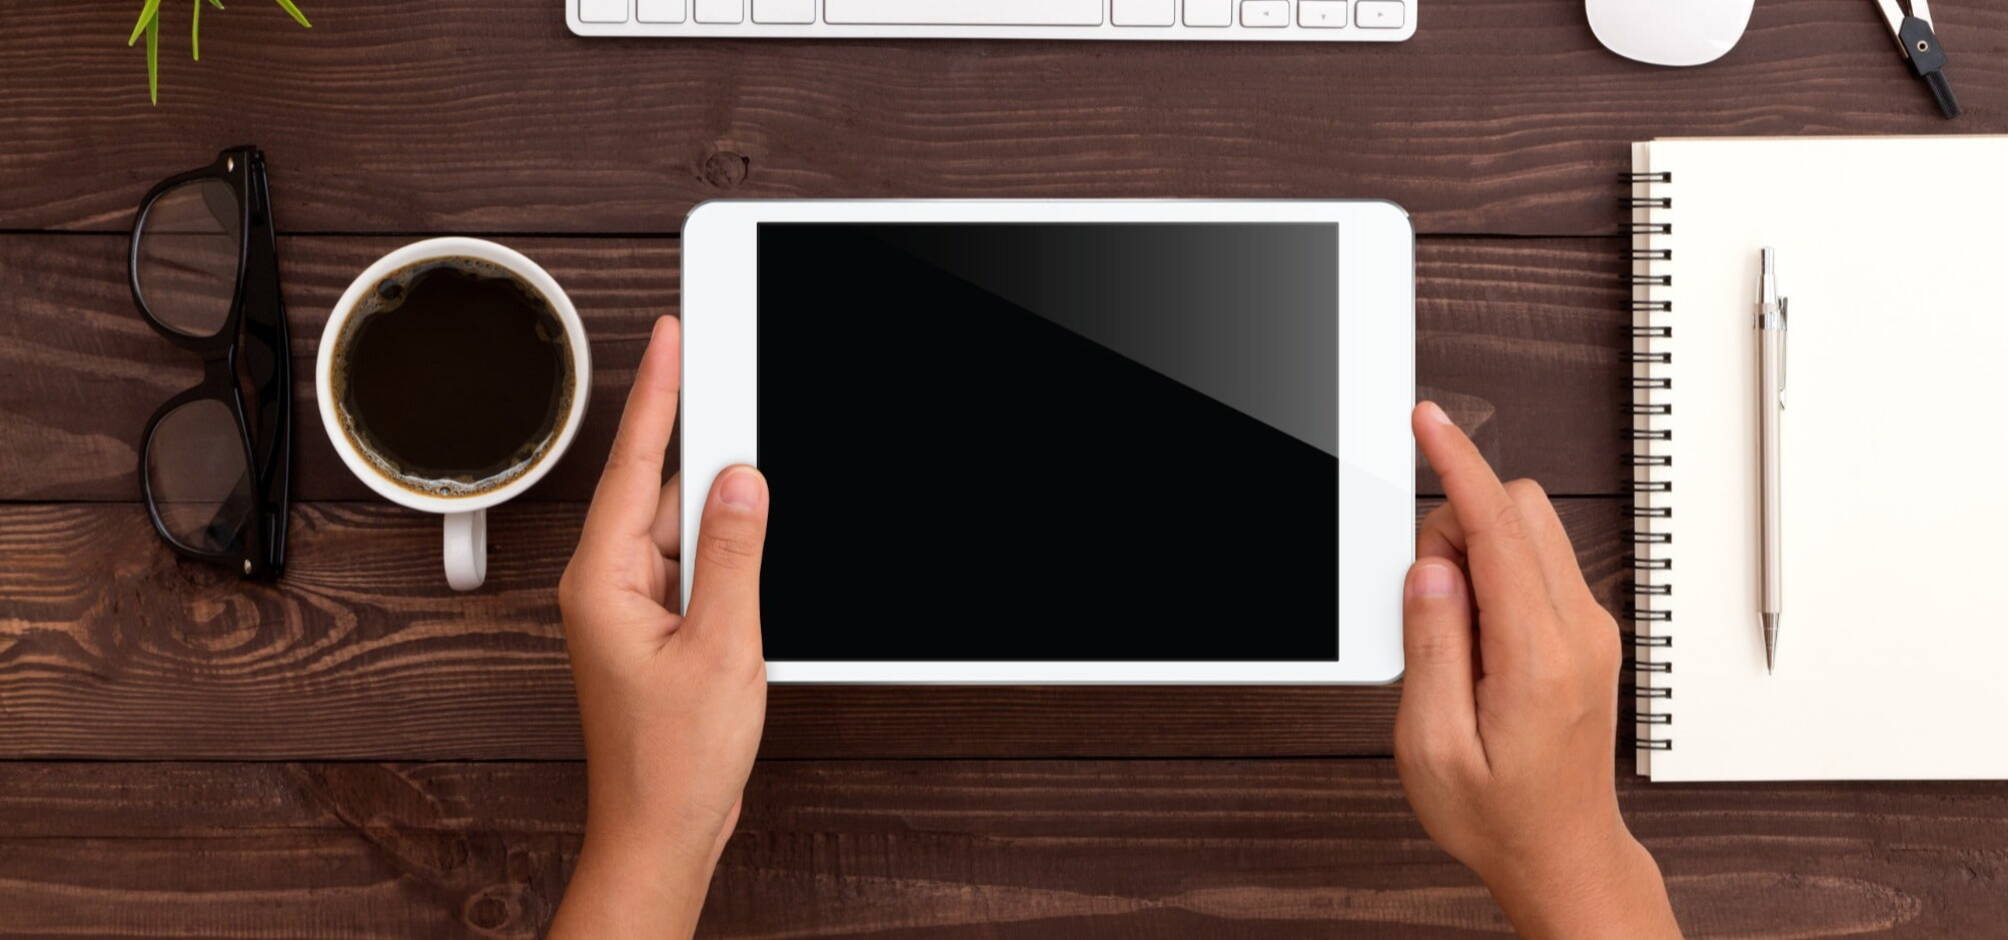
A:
x: 359, y: 752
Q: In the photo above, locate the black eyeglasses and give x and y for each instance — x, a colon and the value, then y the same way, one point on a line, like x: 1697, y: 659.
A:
x: 215, y: 461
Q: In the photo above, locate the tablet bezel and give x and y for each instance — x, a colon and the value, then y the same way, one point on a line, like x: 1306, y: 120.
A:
x: 1376, y: 381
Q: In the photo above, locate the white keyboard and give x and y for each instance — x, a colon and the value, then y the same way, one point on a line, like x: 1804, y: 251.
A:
x: 1233, y: 20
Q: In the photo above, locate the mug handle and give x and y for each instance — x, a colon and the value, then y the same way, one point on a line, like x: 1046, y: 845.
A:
x: 466, y: 549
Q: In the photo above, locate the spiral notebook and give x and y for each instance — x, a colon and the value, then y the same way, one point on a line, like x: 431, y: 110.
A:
x: 1893, y: 650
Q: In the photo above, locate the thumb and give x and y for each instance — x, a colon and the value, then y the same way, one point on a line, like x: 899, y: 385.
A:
x: 1438, y: 715
x: 725, y: 582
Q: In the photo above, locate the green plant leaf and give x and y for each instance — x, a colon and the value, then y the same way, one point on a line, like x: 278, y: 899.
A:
x: 216, y: 3
x: 195, y: 32
x: 153, y: 58
x: 146, y: 15
x: 289, y: 7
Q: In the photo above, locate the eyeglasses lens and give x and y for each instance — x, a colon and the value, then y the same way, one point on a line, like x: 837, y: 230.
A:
x: 188, y: 247
x: 197, y: 475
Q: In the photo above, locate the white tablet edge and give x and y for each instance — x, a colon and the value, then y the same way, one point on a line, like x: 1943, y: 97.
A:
x: 1377, y: 390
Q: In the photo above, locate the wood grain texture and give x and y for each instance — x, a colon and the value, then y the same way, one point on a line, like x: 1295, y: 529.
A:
x: 1519, y: 337
x: 112, y: 647
x: 1521, y: 341
x: 1501, y: 116
x: 946, y: 849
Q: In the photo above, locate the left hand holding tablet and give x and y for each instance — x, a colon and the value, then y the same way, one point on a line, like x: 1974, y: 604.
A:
x: 672, y: 705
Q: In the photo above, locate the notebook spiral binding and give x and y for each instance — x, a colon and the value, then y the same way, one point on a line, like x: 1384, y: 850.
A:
x: 1651, y: 434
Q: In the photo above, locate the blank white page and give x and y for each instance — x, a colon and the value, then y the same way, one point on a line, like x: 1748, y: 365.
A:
x: 1894, y: 637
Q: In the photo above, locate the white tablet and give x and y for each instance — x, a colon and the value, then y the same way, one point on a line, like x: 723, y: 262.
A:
x: 1040, y: 441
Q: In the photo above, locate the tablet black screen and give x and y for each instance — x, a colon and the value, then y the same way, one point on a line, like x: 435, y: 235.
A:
x: 1049, y: 441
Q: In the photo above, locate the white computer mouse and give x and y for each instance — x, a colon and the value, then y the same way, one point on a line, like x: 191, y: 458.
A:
x: 1669, y: 32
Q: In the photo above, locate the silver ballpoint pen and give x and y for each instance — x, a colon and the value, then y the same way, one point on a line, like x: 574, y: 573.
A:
x: 1771, y: 315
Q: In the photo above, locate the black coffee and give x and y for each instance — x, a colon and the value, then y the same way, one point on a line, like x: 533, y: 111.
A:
x: 453, y: 376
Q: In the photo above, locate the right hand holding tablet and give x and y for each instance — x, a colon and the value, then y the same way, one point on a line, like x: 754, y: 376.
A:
x: 1505, y: 735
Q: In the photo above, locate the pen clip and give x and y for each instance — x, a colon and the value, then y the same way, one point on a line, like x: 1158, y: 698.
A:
x: 1784, y: 347
x: 1772, y: 313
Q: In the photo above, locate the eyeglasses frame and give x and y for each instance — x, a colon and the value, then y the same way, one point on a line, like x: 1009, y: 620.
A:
x: 255, y: 305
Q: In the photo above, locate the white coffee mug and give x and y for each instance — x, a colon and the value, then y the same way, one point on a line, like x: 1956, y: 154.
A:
x: 465, y: 545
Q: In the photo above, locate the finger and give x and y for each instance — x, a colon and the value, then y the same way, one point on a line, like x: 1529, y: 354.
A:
x: 667, y: 532
x: 1551, y: 540
x: 725, y: 583
x: 625, y: 502
x: 1503, y: 562
x: 1439, y: 536
x: 1438, y: 718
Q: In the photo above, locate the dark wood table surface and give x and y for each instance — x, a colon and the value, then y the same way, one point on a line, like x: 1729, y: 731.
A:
x: 357, y: 751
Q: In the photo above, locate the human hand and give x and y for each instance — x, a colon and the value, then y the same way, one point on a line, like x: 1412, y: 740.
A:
x: 1505, y: 735
x: 671, y: 705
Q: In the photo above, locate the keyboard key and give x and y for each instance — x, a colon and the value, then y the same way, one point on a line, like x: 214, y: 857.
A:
x: 1143, y: 12
x: 964, y: 12
x: 1265, y: 12
x: 784, y: 11
x: 1380, y: 14
x: 1321, y: 14
x: 721, y: 11
x: 1209, y: 12
x: 659, y: 11
x: 603, y: 11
